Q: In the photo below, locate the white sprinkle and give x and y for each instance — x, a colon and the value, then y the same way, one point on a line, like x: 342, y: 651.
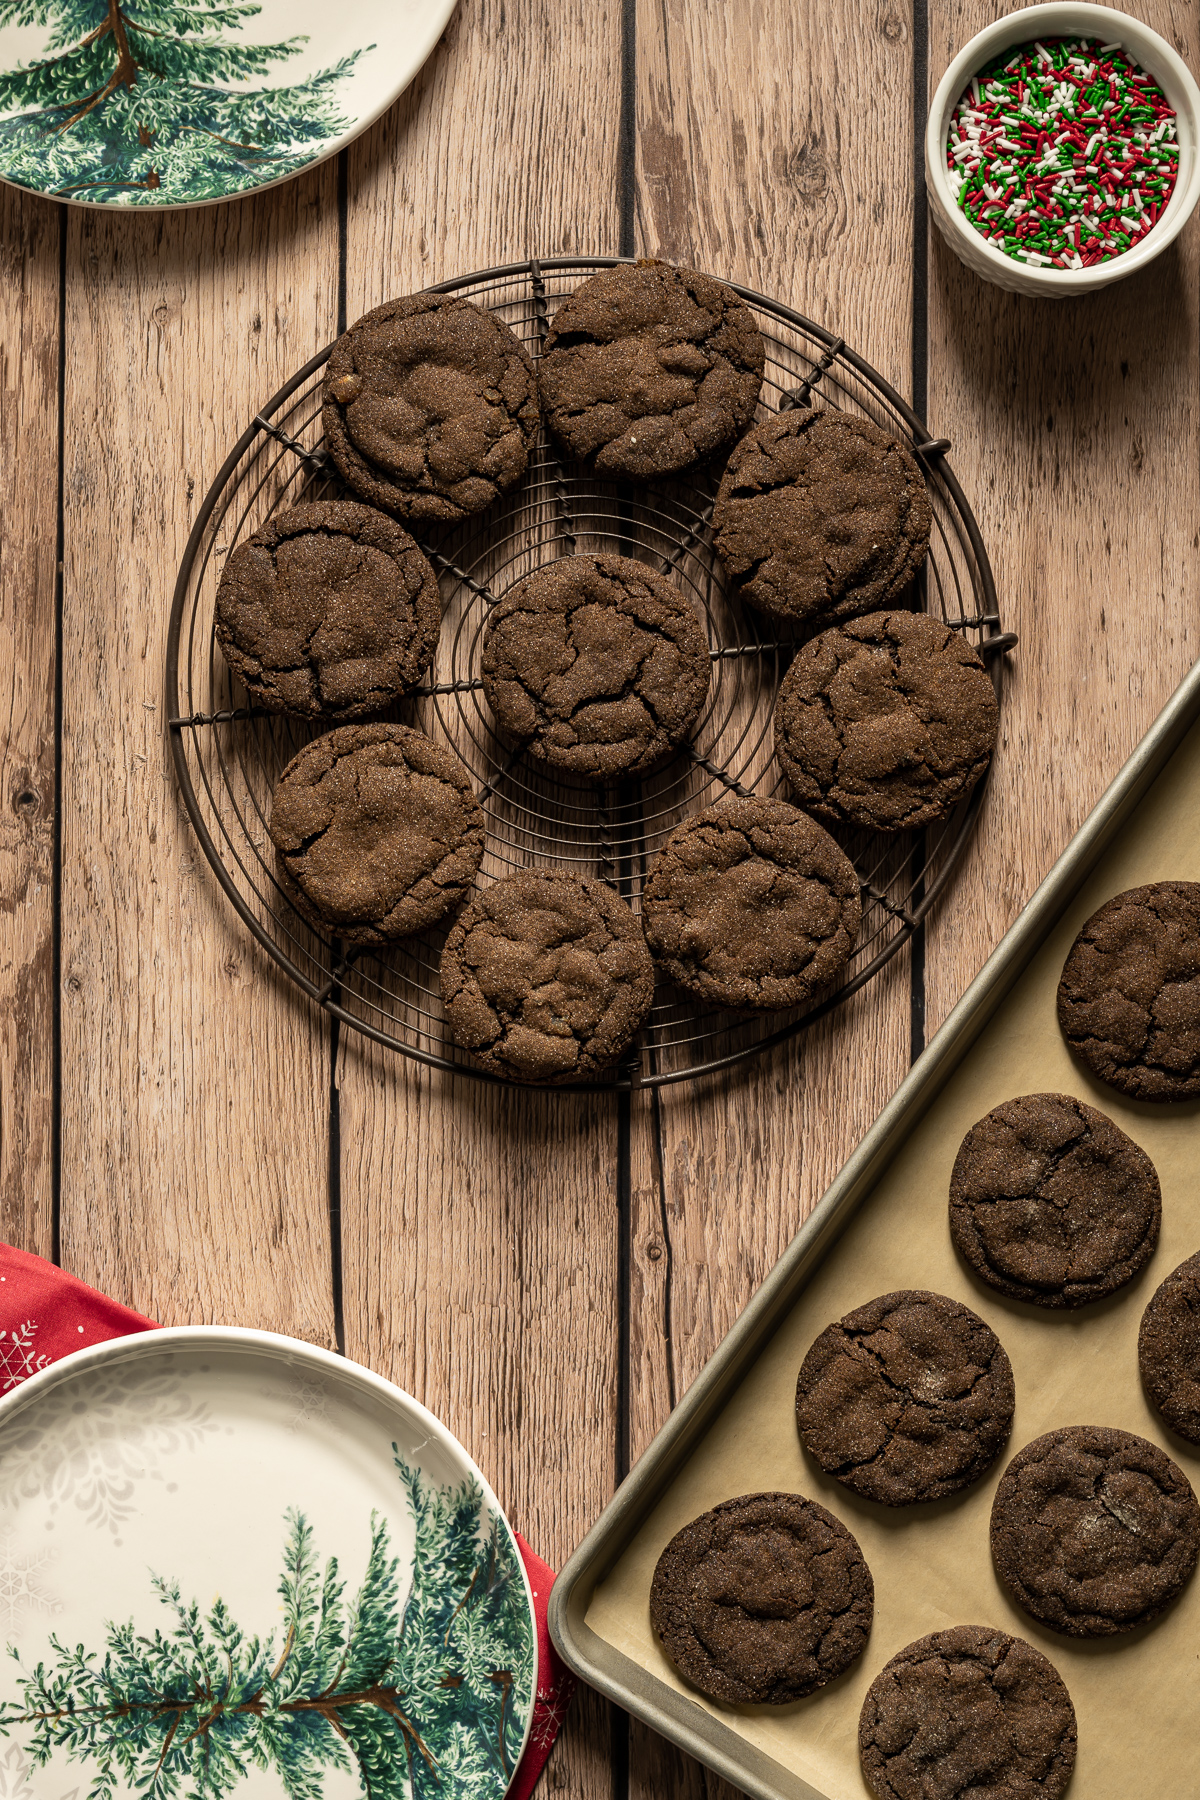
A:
x: 975, y: 90
x: 1105, y: 48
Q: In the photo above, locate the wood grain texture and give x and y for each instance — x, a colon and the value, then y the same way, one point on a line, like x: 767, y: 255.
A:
x: 194, y: 1124
x: 1076, y: 435
x: 760, y: 158
x: 480, y: 1227
x: 29, y: 349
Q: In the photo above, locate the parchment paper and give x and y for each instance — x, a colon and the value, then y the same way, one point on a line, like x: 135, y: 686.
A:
x: 1137, y: 1696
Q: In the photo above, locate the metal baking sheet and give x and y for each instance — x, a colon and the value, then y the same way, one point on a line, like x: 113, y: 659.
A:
x: 882, y: 1225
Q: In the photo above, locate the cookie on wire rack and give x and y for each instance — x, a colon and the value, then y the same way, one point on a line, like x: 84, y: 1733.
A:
x: 328, y: 611
x: 377, y: 832
x: 821, y: 516
x: 649, y: 369
x: 430, y: 407
x: 546, y: 977
x: 596, y: 664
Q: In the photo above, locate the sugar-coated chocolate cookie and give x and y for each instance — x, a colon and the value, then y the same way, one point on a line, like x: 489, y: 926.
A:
x: 1169, y: 1349
x: 1129, y: 998
x: 1050, y: 1202
x: 329, y: 611
x: 1094, y: 1530
x: 968, y: 1714
x: 752, y: 905
x: 886, y: 721
x: 546, y: 977
x: 763, y: 1599
x: 597, y: 664
x: 377, y: 832
x: 905, y: 1399
x: 430, y: 407
x: 649, y: 369
x: 821, y: 516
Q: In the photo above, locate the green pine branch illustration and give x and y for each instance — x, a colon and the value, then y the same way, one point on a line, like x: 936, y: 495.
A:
x: 420, y: 1702
x: 130, y: 102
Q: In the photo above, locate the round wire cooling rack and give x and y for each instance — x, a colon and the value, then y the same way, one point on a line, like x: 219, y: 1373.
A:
x: 228, y: 754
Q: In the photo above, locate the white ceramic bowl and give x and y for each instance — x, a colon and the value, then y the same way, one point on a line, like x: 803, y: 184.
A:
x: 1063, y: 20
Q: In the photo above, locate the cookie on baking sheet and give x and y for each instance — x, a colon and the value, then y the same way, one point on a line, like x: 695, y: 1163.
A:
x: 1169, y: 1349
x: 763, y: 1599
x: 1050, y: 1202
x: 329, y: 611
x: 886, y: 721
x: 752, y: 905
x: 907, y: 1398
x: 1129, y: 998
x: 649, y: 369
x: 967, y: 1714
x: 377, y: 832
x: 546, y: 977
x: 1094, y: 1530
x: 821, y: 516
x: 430, y: 407
x: 597, y: 664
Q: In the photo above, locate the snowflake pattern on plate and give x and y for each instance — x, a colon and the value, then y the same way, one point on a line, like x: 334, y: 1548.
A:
x: 23, y: 1585
x: 91, y: 1454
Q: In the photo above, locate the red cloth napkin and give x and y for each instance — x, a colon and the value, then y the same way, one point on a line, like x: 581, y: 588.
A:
x: 45, y: 1314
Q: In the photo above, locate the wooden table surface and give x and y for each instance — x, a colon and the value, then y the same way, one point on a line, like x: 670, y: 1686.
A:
x: 548, y: 1273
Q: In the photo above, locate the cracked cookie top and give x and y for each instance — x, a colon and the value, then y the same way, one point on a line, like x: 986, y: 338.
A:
x: 763, y: 1599
x: 907, y: 1398
x: 1169, y: 1349
x: 546, y: 977
x: 886, y: 721
x: 1094, y: 1530
x: 377, y: 832
x: 649, y: 369
x: 597, y: 664
x: 430, y: 407
x: 330, y: 611
x: 821, y: 516
x: 968, y: 1714
x: 1129, y: 998
x: 1050, y: 1202
x: 751, y: 904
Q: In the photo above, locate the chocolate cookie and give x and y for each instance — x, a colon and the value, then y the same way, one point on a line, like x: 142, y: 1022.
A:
x: 1169, y: 1349
x: 1129, y: 998
x: 821, y: 516
x: 1052, y: 1203
x: 751, y: 904
x: 967, y: 1714
x: 377, y: 832
x: 1094, y: 1530
x: 546, y: 977
x: 885, y: 722
x: 598, y: 664
x: 907, y: 1398
x: 648, y: 369
x: 762, y: 1599
x: 329, y: 612
x: 430, y: 407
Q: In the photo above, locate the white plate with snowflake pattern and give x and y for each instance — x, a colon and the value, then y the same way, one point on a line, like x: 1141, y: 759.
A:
x: 163, y: 103
x: 234, y: 1565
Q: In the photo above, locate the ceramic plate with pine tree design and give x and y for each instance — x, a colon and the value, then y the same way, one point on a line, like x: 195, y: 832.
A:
x: 231, y: 1564
x: 156, y: 103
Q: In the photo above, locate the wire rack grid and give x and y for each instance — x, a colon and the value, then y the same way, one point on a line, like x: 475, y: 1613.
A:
x: 228, y: 754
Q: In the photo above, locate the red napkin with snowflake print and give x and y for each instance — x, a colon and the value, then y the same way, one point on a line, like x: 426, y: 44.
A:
x: 46, y: 1314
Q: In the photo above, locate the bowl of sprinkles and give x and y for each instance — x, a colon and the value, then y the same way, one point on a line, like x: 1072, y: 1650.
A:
x: 1061, y: 152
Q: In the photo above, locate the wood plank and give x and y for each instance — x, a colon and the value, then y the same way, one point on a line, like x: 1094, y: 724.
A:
x: 29, y: 332
x: 194, y: 1083
x: 1076, y: 434
x: 480, y: 1227
x: 760, y: 158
